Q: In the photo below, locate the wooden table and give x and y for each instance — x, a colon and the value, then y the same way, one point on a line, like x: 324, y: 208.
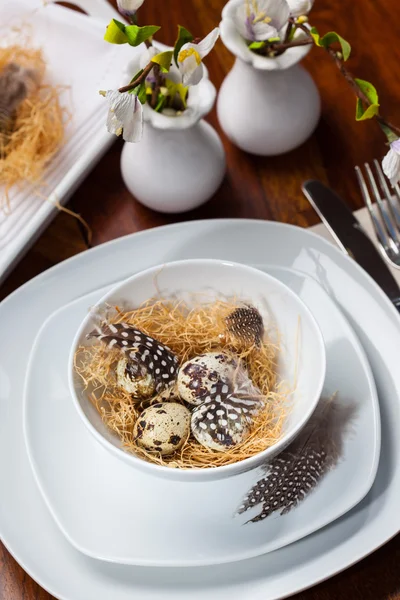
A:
x: 262, y: 188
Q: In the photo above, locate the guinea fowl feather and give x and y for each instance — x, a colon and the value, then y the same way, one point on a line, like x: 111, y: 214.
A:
x: 294, y: 473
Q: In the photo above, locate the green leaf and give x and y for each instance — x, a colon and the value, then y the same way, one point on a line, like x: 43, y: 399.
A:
x: 177, y: 88
x: 315, y: 36
x: 257, y: 45
x: 137, y: 35
x: 115, y: 33
x: 140, y: 92
x: 330, y: 38
x: 163, y: 60
x: 370, y: 92
x: 369, y: 113
x: 160, y: 102
x: 184, y: 37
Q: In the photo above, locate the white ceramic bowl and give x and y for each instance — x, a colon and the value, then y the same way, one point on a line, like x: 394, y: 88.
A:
x: 302, y: 356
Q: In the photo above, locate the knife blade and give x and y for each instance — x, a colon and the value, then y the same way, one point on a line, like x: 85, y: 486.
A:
x: 351, y: 236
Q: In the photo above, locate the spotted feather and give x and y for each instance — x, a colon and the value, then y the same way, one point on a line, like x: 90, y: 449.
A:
x: 246, y: 325
x: 147, y: 354
x: 226, y: 413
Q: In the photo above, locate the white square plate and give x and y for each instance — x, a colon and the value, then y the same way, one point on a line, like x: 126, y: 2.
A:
x: 28, y: 529
x: 112, y: 511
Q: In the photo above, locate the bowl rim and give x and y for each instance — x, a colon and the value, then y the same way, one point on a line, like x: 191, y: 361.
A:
x: 246, y: 464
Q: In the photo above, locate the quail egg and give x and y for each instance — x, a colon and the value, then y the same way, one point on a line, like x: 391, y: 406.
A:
x: 163, y: 427
x: 135, y: 379
x: 226, y: 414
x: 197, y: 376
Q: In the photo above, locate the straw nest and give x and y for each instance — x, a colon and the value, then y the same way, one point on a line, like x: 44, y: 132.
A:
x: 189, y: 332
x: 37, y: 128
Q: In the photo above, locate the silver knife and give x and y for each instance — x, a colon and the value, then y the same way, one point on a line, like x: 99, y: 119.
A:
x: 351, y: 236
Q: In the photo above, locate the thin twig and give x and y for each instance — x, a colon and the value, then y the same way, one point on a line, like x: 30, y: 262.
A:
x: 156, y: 86
x: 138, y: 79
x: 350, y: 80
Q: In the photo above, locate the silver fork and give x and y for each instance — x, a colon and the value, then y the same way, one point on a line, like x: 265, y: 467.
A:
x: 384, y: 211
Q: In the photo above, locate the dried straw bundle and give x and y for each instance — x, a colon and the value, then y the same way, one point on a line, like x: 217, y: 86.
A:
x: 38, y: 128
x: 188, y: 332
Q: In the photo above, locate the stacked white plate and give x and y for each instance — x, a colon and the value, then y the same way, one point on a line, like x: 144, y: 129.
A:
x: 87, y: 527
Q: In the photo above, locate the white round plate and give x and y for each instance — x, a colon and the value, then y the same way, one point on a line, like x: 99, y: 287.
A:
x: 29, y: 531
x: 113, y: 511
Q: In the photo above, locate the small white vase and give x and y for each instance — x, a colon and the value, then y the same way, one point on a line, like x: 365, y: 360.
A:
x: 173, y: 171
x: 266, y: 105
x: 180, y: 162
x: 268, y: 112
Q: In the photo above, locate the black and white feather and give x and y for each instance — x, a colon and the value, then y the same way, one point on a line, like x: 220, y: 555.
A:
x: 146, y: 354
x: 246, y: 325
x: 292, y: 475
x: 226, y: 413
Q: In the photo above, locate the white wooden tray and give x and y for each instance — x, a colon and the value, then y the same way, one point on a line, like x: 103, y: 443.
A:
x: 76, y: 56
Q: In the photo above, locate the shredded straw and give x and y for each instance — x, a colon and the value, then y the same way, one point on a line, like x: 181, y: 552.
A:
x: 38, y: 128
x: 188, y: 332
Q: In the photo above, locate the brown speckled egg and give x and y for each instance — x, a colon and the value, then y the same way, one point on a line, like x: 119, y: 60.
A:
x: 197, y: 376
x: 135, y: 379
x: 163, y: 427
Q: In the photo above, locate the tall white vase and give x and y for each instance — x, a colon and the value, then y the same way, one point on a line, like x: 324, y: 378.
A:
x: 173, y: 171
x: 268, y: 112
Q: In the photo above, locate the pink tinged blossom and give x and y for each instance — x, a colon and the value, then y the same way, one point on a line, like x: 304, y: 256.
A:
x: 260, y: 20
x: 391, y: 163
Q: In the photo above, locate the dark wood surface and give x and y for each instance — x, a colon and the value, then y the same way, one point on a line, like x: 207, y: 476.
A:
x: 263, y: 188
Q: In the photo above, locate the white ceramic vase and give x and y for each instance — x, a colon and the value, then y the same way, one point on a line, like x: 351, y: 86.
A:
x: 180, y: 162
x: 266, y: 106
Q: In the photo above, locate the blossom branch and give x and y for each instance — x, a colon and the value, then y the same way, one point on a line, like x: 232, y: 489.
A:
x: 349, y: 78
x: 139, y: 79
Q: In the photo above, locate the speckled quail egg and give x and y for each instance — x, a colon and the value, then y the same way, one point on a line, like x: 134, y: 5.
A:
x: 163, y: 427
x: 197, y: 376
x: 135, y: 379
x: 226, y: 414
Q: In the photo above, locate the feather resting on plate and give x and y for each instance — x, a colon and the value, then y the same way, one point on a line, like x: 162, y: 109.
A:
x: 294, y: 473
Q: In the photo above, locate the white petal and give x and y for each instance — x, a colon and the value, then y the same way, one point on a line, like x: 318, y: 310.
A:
x: 391, y: 165
x: 207, y: 44
x: 278, y: 10
x: 133, y: 127
x: 129, y: 6
x: 300, y: 7
x: 125, y: 111
x: 194, y: 77
x: 264, y: 31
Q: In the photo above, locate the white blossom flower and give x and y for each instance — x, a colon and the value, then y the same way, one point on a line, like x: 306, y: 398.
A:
x: 125, y: 115
x: 232, y: 34
x: 300, y: 7
x: 391, y: 163
x: 191, y: 55
x: 129, y: 7
x: 259, y: 20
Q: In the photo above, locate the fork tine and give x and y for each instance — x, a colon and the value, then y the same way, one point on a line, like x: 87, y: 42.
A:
x: 380, y: 234
x: 387, y: 222
x: 387, y: 195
